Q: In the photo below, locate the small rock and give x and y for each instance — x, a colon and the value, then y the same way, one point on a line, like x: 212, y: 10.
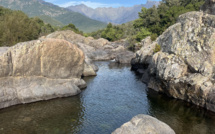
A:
x: 144, y: 124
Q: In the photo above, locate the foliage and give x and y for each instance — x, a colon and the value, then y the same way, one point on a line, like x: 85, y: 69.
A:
x: 111, y: 33
x: 50, y: 20
x: 154, y: 36
x: 152, y: 22
x: 157, y: 48
x: 57, y: 16
x: 158, y: 19
x: 16, y: 27
x: 142, y: 33
x: 115, y: 32
x: 131, y: 42
x: 73, y: 28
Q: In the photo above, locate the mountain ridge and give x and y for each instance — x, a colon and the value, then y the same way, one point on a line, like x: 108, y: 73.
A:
x: 118, y: 15
x: 35, y: 8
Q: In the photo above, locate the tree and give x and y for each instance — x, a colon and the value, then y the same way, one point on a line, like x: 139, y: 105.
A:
x: 15, y: 26
x: 157, y: 20
x: 143, y: 33
x: 73, y: 28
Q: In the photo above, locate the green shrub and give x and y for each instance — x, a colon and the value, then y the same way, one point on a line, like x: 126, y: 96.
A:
x: 142, y: 34
x: 73, y: 28
x: 154, y: 37
x: 157, y: 48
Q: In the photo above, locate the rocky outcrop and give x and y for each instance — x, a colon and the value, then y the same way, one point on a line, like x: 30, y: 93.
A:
x: 124, y: 57
x: 209, y: 7
x: 96, y: 50
x: 144, y: 55
x: 144, y: 124
x: 40, y: 70
x: 184, y: 68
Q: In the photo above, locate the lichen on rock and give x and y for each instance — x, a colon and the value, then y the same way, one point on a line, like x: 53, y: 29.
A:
x: 184, y: 68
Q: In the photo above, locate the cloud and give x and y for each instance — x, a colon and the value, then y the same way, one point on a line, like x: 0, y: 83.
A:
x: 89, y: 4
x: 51, y: 1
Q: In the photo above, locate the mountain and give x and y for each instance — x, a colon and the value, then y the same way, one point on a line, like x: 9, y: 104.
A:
x: 114, y: 15
x: 55, y: 14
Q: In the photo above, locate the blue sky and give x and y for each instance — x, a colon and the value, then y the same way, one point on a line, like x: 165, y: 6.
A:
x: 98, y: 3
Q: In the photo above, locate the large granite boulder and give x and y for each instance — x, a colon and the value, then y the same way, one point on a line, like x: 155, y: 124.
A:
x: 144, y: 124
x: 95, y: 49
x: 184, y: 68
x: 77, y: 38
x: 40, y: 70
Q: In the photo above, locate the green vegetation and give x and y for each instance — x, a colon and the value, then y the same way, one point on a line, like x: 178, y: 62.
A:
x: 50, y: 20
x: 157, y: 48
x: 153, y: 36
x: 152, y: 22
x: 82, y: 22
x: 54, y: 15
x: 158, y: 19
x: 116, y: 32
x: 73, y: 28
x: 142, y: 33
x: 16, y: 27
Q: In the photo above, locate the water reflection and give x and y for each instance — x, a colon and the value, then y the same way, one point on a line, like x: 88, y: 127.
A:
x: 112, y: 98
x: 49, y: 117
x: 114, y: 65
x: 183, y: 117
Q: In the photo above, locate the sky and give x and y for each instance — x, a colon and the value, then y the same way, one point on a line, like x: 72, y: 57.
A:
x: 98, y: 3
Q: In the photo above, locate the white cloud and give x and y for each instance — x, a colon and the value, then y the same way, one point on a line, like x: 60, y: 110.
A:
x: 89, y: 4
x: 51, y: 1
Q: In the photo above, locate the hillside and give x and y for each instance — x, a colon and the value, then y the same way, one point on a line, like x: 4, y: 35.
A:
x: 16, y: 26
x: 40, y: 8
x: 51, y: 20
x: 114, y: 15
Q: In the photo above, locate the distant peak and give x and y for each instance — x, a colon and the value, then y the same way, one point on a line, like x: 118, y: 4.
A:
x: 80, y: 5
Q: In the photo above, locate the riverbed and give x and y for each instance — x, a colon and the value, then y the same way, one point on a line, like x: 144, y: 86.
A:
x: 111, y: 98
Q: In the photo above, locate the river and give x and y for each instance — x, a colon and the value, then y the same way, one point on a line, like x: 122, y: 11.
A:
x: 111, y: 98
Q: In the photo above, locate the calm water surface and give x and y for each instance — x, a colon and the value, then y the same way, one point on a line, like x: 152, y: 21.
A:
x: 112, y: 98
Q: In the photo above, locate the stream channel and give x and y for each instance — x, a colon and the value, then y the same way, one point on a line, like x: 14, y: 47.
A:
x: 111, y: 98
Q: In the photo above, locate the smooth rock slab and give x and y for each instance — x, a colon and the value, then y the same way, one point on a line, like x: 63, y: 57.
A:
x: 40, y: 70
x: 21, y: 90
x: 144, y: 124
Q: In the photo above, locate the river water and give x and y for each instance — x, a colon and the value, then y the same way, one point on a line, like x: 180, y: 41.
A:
x: 112, y: 98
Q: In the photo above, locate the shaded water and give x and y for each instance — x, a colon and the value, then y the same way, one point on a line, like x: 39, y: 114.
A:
x: 112, y: 98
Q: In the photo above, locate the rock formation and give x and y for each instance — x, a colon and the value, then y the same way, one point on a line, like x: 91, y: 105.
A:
x: 40, y: 70
x: 144, y: 124
x: 184, y: 68
x: 51, y: 66
x: 209, y: 7
x: 96, y: 50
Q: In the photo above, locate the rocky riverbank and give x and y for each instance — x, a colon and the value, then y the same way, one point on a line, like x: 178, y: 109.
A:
x: 52, y: 66
x: 180, y: 63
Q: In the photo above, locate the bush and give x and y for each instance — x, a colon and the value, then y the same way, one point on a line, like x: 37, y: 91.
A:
x: 157, y: 48
x: 154, y: 37
x: 73, y: 28
x: 143, y: 33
